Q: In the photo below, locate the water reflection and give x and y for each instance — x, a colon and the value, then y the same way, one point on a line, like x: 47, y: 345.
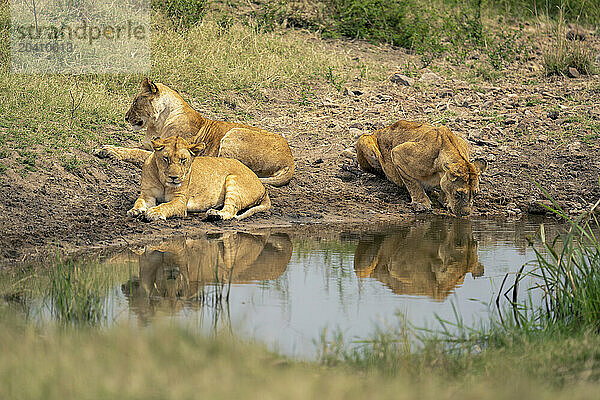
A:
x: 348, y: 281
x: 173, y: 275
x: 429, y: 259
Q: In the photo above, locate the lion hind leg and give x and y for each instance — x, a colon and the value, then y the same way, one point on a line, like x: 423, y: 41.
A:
x: 264, y: 205
x: 232, y: 201
x: 368, y: 154
x: 133, y: 156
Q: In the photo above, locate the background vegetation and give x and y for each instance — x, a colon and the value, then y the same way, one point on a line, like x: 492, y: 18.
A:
x: 421, y: 25
x: 583, y: 11
x: 207, y: 58
x: 219, y: 52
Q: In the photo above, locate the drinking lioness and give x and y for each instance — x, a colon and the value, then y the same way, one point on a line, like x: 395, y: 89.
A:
x: 415, y: 155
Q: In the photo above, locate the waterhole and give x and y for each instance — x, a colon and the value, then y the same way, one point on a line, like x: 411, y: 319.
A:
x: 291, y: 291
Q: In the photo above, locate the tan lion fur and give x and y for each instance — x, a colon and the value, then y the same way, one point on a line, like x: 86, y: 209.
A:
x: 419, y: 155
x: 164, y: 113
x: 188, y: 184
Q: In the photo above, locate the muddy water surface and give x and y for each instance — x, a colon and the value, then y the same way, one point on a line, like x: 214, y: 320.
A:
x: 286, y: 292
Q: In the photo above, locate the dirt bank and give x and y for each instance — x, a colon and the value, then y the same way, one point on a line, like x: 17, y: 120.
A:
x: 529, y: 127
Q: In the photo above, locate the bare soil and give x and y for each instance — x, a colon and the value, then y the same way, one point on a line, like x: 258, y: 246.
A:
x: 529, y: 127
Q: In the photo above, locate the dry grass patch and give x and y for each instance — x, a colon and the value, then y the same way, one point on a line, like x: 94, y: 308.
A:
x: 210, y: 62
x: 560, y: 53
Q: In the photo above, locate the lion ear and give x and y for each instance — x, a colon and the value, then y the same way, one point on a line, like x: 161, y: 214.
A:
x: 480, y: 164
x: 197, y: 148
x: 448, y: 167
x: 451, y: 171
x: 157, y: 145
x: 149, y: 87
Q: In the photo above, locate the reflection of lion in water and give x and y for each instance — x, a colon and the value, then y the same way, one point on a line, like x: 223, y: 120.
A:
x: 427, y: 260
x: 173, y: 273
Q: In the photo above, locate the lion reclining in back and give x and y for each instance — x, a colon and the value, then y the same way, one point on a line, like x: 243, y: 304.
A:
x: 416, y: 155
x: 164, y: 113
x: 186, y: 183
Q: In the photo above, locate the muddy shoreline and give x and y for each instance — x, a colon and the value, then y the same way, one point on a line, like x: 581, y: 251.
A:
x: 193, y: 228
x: 540, y: 134
x: 53, y: 209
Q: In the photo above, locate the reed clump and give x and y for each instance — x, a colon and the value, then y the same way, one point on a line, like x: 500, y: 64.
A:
x: 567, y: 269
x: 78, y: 292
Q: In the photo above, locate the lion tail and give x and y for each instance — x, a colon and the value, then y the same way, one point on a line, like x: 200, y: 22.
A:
x: 281, y: 177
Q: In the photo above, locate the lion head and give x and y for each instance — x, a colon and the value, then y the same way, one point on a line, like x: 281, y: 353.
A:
x: 173, y: 157
x: 142, y: 108
x: 460, y: 184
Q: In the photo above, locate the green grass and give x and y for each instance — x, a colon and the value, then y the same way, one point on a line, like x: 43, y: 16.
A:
x: 208, y: 61
x: 78, y: 293
x: 505, y: 47
x: 558, y: 359
x: 568, y: 269
x: 402, y: 23
x: 442, y: 26
x: 173, y: 363
x: 412, y: 24
x: 561, y: 54
x: 183, y: 13
x: 307, y: 96
x: 573, y: 10
x: 564, y: 55
x: 585, y: 126
x: 71, y: 163
x: 486, y: 72
x: 75, y: 293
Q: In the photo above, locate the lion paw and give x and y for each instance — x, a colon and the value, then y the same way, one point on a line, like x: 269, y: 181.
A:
x: 216, y: 215
x: 213, y: 215
x: 152, y: 214
x: 419, y: 207
x: 106, y: 151
x: 136, y: 212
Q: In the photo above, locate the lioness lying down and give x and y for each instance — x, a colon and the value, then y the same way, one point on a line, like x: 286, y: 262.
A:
x: 164, y: 113
x: 175, y: 175
x: 415, y: 155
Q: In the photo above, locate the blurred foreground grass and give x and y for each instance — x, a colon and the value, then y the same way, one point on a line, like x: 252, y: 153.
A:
x: 171, y: 363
